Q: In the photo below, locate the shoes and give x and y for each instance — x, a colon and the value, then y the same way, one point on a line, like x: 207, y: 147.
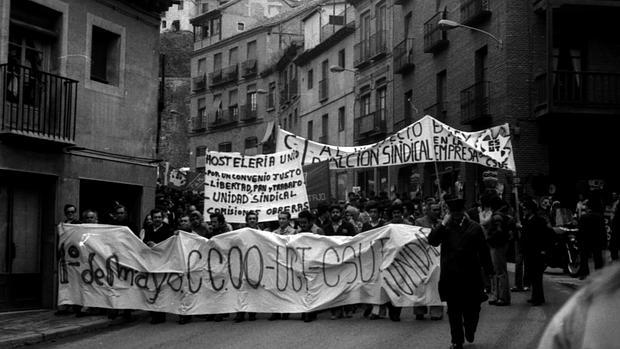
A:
x: 274, y: 317
x: 456, y: 346
x: 501, y: 303
x: 252, y: 317
x: 185, y: 319
x: 469, y: 336
x: 367, y: 311
x: 374, y: 317
x: 535, y: 302
x: 348, y: 314
x: 239, y: 318
x: 218, y: 317
x: 436, y: 318
x: 419, y: 317
x: 285, y: 316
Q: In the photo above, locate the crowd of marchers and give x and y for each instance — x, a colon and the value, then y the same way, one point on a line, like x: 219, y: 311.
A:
x: 475, y: 241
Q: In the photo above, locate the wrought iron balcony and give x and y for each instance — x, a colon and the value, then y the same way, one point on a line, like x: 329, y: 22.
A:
x: 249, y: 68
x: 323, y: 89
x: 437, y: 110
x: 370, y: 124
x: 362, y: 52
x: 199, y: 83
x: 215, y: 78
x: 248, y: 113
x: 224, y: 76
x: 403, y: 57
x: 224, y: 118
x: 474, y: 11
x: 380, y: 43
x: 199, y: 123
x: 435, y: 39
x: 475, y: 103
x: 37, y: 104
x: 571, y: 91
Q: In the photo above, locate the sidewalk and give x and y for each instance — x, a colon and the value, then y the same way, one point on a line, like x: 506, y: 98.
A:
x: 30, y: 327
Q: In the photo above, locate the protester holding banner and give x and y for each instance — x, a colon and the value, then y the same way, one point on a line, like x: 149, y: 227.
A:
x: 375, y: 216
x: 218, y: 224
x: 463, y: 251
x: 429, y: 220
x: 251, y: 221
x: 153, y: 235
x: 198, y: 226
x: 70, y: 211
x: 337, y: 226
x: 90, y: 216
x: 305, y: 220
x: 285, y: 227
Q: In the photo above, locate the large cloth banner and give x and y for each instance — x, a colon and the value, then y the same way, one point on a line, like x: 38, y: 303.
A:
x: 267, y: 184
x: 245, y: 270
x: 425, y: 140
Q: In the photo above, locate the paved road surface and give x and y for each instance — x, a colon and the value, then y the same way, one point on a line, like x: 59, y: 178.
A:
x: 518, y: 326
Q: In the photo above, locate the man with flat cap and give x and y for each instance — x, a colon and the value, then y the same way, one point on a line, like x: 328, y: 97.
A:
x: 463, y: 254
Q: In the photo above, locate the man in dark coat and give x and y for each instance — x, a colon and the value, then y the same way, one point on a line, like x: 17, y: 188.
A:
x: 537, y: 239
x: 463, y: 254
x: 153, y: 235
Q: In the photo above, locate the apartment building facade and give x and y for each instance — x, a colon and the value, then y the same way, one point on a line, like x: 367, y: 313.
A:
x: 77, y: 126
x: 327, y: 94
x: 551, y: 81
x: 237, y: 91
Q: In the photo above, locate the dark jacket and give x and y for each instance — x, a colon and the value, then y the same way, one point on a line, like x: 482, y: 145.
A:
x: 368, y: 225
x: 345, y: 228
x: 463, y: 254
x: 537, y: 236
x: 592, y: 231
x: 159, y: 235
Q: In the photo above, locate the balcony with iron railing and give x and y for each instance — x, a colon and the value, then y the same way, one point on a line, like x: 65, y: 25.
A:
x: 248, y: 112
x: 576, y: 91
x: 362, y: 52
x: 380, y: 44
x: 475, y: 103
x: 474, y: 11
x: 199, y: 82
x: 223, y: 118
x: 403, y: 56
x: 249, y: 68
x: 323, y: 90
x: 369, y: 125
x: 224, y: 76
x: 199, y: 123
x: 437, y: 110
x: 435, y: 39
x: 215, y: 78
x: 37, y: 105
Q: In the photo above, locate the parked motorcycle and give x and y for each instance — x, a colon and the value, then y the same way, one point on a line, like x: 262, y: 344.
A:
x: 564, y: 252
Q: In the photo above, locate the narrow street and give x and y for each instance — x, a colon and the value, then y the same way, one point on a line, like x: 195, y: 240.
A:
x: 517, y: 326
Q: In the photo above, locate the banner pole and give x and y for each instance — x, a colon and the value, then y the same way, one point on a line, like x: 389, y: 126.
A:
x: 438, y: 181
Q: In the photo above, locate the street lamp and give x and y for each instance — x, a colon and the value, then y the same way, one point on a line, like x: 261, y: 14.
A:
x: 446, y: 24
x: 339, y: 69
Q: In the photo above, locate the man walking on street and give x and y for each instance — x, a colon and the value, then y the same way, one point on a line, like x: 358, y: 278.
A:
x: 463, y: 251
x: 429, y: 220
x: 537, y: 238
x: 498, y: 236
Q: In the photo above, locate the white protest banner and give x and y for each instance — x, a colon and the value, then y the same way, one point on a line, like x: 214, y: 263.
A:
x: 245, y: 270
x: 267, y: 184
x: 425, y: 140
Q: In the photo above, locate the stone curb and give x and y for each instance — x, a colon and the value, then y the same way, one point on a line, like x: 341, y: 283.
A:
x: 61, y: 332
